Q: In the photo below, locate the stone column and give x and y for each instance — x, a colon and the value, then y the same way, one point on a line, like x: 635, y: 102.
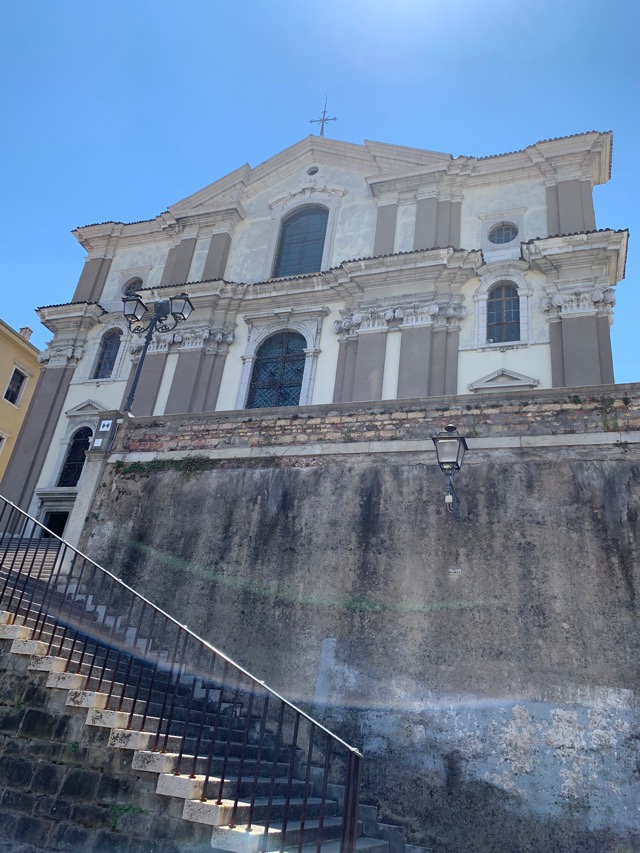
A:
x: 345, y: 372
x: 196, y: 381
x: 247, y: 369
x: 178, y: 263
x: 437, y: 223
x: 217, y: 255
x: 557, y: 356
x: 150, y: 377
x: 426, y: 222
x: 570, y: 207
x: 415, y: 354
x: 580, y: 344
x: 369, y: 369
x: 92, y: 280
x: 385, y: 229
x: 438, y: 360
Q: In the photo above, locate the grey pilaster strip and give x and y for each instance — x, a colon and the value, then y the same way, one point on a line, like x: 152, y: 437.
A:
x: 385, y: 229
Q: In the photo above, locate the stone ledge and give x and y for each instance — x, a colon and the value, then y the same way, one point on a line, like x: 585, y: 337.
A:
x: 356, y: 448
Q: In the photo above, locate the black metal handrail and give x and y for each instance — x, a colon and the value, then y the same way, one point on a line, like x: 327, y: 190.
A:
x: 250, y: 750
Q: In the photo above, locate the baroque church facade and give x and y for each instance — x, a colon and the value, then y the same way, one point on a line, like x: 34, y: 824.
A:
x: 333, y: 273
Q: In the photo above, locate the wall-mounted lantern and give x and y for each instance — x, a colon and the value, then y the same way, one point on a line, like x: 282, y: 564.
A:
x: 450, y: 450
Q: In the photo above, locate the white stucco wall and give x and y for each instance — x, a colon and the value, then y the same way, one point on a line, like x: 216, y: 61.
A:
x: 533, y: 361
x: 143, y: 259
x: 480, y: 203
x: 254, y: 242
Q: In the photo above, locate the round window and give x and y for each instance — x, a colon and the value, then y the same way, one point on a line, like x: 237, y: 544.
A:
x: 312, y: 170
x: 503, y: 233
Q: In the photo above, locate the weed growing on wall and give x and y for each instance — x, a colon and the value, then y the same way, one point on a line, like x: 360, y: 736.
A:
x: 117, y: 810
x: 189, y: 466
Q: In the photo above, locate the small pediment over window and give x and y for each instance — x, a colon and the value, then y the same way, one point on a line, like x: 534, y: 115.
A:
x: 86, y: 409
x: 503, y: 379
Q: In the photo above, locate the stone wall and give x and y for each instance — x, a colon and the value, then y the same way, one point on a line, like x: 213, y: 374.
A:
x: 486, y: 663
x: 63, y: 788
x: 607, y: 408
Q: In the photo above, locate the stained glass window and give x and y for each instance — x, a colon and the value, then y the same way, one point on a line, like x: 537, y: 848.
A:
x: 503, y: 314
x: 74, y: 460
x: 277, y: 371
x: 302, y: 242
x: 107, y: 355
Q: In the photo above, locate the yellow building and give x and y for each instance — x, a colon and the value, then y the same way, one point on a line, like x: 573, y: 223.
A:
x: 19, y: 368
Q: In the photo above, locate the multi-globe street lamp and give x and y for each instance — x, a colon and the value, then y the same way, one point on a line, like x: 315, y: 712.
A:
x: 163, y: 316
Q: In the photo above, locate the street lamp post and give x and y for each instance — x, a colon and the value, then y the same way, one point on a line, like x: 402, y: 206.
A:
x: 165, y: 314
x: 450, y: 450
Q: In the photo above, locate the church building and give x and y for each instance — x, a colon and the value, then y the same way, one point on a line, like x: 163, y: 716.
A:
x: 333, y: 273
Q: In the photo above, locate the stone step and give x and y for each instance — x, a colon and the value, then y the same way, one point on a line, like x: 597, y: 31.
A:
x: 84, y: 665
x: 192, y: 787
x: 239, y: 840
x: 197, y: 698
x: 14, y: 632
x: 363, y: 845
x: 220, y: 814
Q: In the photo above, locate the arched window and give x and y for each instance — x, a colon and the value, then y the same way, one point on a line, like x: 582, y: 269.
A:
x: 132, y: 286
x: 503, y: 314
x: 302, y: 242
x: 74, y: 460
x: 107, y: 356
x: 277, y: 371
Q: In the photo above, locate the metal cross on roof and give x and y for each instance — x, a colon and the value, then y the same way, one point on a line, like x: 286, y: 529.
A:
x: 323, y: 119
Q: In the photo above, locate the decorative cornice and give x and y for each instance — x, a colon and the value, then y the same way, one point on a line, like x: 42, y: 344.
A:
x: 598, y: 255
x: 71, y: 325
x: 215, y: 222
x: 100, y: 241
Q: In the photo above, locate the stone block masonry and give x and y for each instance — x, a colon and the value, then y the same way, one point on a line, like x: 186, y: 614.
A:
x: 575, y: 411
x: 62, y: 788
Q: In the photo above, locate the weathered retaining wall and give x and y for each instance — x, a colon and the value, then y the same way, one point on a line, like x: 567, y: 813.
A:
x: 561, y: 411
x: 488, y: 664
x: 63, y: 788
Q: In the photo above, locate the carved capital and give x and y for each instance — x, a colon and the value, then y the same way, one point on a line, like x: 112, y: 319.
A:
x: 440, y: 311
x: 579, y: 300
x: 61, y: 355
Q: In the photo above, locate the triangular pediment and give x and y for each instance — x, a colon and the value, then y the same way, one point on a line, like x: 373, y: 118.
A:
x: 86, y: 409
x: 503, y: 379
x: 397, y: 159
x: 370, y: 159
x: 222, y: 193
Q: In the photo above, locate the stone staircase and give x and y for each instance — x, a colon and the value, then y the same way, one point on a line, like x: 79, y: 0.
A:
x: 241, y: 761
x: 214, y: 791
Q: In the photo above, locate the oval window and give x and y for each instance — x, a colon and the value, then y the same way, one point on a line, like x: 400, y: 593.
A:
x: 503, y: 233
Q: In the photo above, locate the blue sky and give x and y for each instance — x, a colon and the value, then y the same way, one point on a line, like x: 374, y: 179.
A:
x: 115, y: 110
